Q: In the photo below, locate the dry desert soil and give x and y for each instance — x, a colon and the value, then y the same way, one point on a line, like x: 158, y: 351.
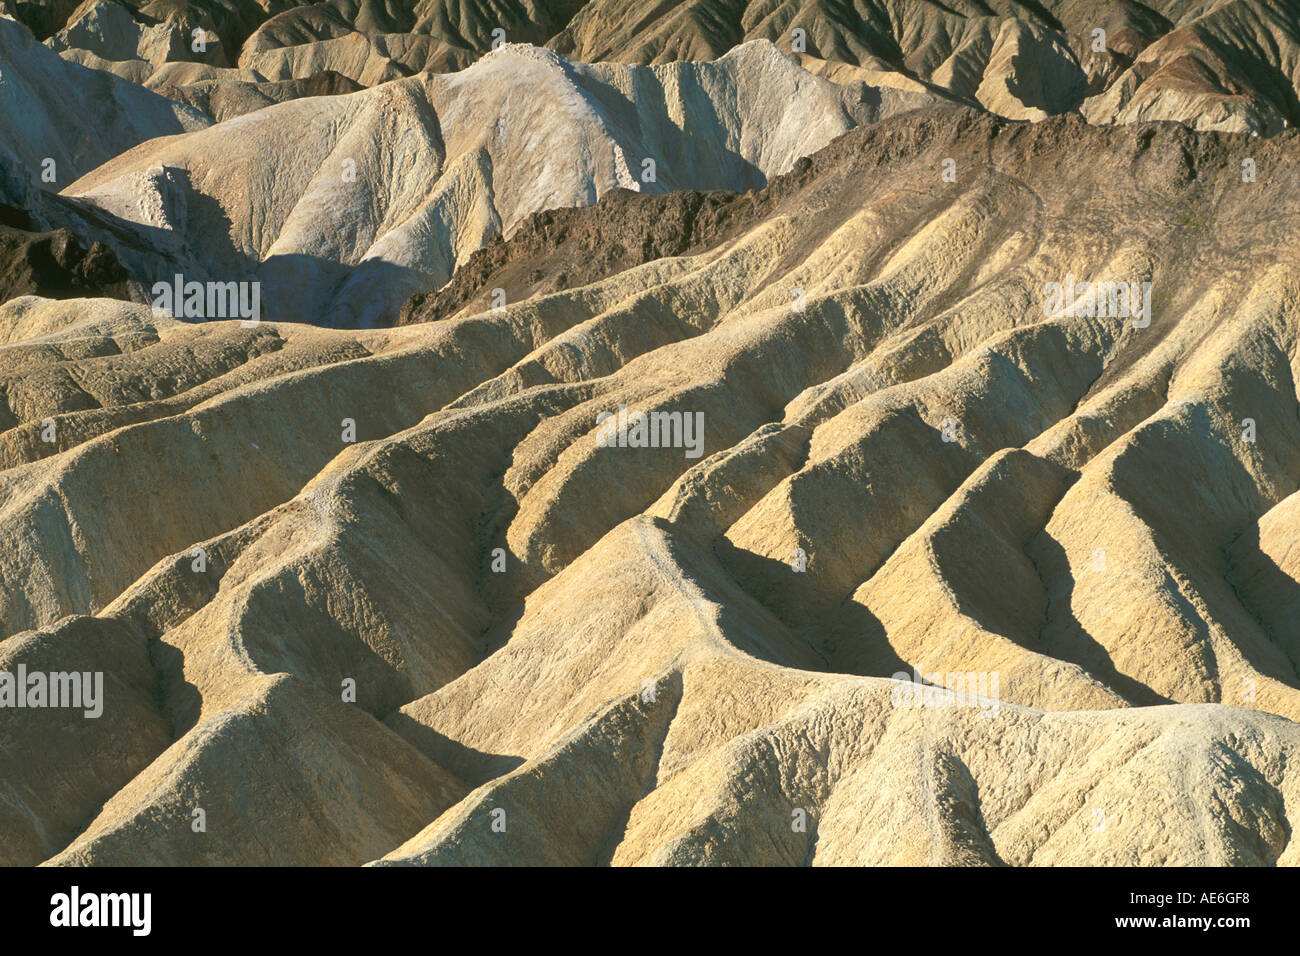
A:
x: 758, y: 432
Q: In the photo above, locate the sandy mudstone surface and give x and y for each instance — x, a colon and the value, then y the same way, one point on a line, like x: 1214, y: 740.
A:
x: 556, y: 508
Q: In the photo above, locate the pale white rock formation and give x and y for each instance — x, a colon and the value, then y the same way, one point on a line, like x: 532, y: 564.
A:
x: 343, y: 206
x: 40, y: 93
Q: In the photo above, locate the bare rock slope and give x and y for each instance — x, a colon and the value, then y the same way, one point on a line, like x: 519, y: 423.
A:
x: 41, y: 93
x: 384, y: 596
x: 344, y: 206
x: 1219, y: 64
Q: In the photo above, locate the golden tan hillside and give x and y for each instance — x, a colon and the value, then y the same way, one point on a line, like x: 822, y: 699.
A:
x: 406, y: 595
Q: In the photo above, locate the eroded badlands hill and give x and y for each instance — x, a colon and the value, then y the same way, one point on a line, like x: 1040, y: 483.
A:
x: 569, y: 653
x: 344, y: 206
x: 1218, y: 64
x: 39, y: 92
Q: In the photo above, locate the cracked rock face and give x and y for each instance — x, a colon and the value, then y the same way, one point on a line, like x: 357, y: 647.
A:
x: 903, y: 468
